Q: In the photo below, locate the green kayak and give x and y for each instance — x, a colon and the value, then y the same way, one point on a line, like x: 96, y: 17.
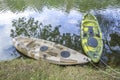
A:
x: 91, y: 37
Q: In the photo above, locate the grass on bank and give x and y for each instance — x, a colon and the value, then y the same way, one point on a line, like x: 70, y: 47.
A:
x: 29, y: 69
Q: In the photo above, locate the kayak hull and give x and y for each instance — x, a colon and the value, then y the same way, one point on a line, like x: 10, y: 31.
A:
x: 91, y: 37
x: 49, y: 51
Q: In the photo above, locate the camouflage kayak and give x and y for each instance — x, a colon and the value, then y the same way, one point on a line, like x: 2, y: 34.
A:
x: 91, y: 37
x: 50, y: 51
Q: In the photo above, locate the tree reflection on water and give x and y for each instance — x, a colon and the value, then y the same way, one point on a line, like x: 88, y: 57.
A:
x: 111, y: 38
x: 32, y: 28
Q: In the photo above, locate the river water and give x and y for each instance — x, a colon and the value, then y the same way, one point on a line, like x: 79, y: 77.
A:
x: 63, y: 16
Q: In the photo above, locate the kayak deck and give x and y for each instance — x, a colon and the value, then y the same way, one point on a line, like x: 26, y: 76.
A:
x: 50, y: 51
x: 91, y: 36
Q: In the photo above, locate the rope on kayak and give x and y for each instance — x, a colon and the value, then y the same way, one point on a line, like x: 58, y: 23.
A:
x: 109, y: 67
x: 115, y: 77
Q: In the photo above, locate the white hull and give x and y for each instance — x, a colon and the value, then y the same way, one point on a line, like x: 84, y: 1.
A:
x: 50, y: 51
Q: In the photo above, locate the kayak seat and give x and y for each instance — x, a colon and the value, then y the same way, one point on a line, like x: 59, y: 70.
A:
x: 92, y: 42
x: 90, y: 31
